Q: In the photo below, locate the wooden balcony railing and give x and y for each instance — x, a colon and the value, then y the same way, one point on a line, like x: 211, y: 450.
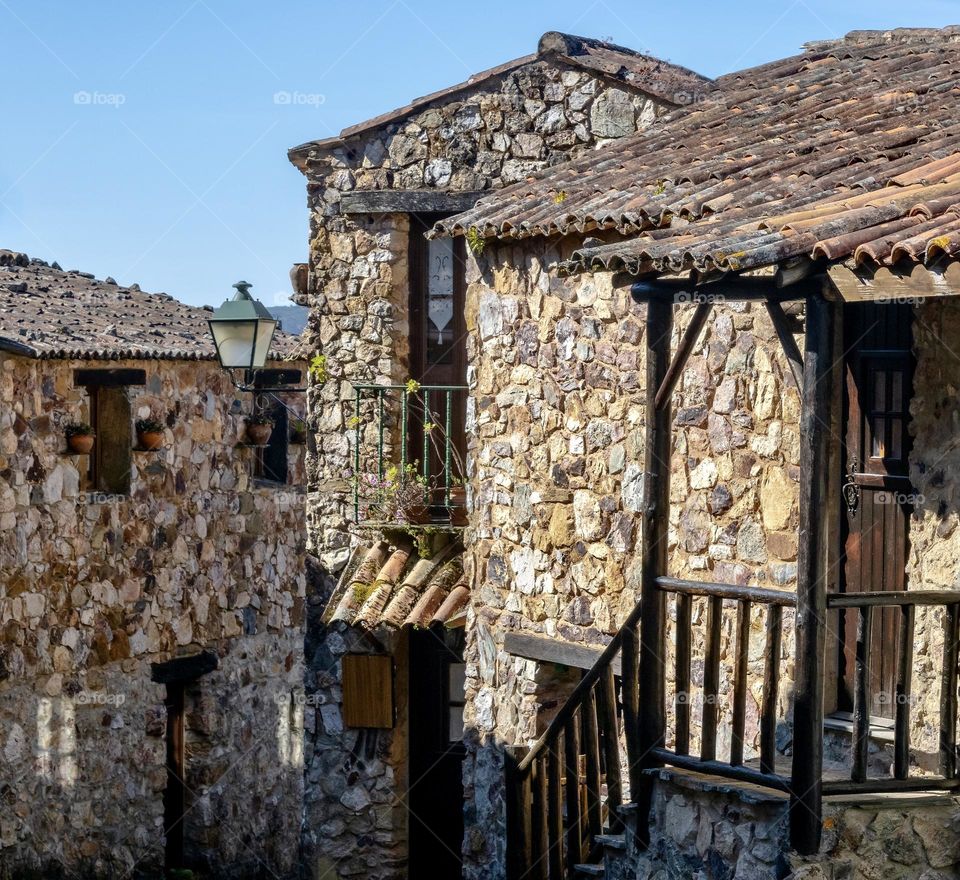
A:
x: 707, y: 761
x: 867, y: 605
x: 416, y: 432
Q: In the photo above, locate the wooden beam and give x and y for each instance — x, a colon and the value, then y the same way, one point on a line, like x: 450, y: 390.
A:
x: 785, y: 334
x: 815, y: 432
x: 543, y: 649
x: 681, y: 291
x: 913, y: 281
x: 684, y: 350
x: 184, y: 669
x: 407, y: 201
x: 109, y: 378
x: 654, y: 531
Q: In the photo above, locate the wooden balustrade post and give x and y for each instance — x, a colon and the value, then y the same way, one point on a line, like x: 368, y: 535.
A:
x: 518, y: 809
x: 806, y: 798
x: 653, y: 548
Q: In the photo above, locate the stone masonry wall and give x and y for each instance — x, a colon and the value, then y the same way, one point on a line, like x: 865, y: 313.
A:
x: 94, y: 588
x: 497, y: 133
x: 556, y: 419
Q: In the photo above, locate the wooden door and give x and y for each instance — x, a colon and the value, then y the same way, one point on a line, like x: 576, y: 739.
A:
x: 174, y: 795
x: 435, y: 791
x: 438, y: 339
x: 877, y: 496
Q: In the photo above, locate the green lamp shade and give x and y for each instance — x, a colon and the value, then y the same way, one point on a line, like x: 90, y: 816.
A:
x: 242, y: 330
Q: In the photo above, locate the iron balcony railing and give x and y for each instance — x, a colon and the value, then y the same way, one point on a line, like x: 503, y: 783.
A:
x: 417, y: 431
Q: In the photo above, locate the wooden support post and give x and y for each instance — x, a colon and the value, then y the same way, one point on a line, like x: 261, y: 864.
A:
x: 806, y: 800
x: 653, y: 549
x: 740, y: 683
x: 607, y: 719
x: 861, y: 696
x: 787, y: 342
x: 571, y: 769
x: 901, y: 735
x: 554, y: 812
x: 682, y: 672
x: 590, y: 738
x: 711, y: 679
x: 771, y: 684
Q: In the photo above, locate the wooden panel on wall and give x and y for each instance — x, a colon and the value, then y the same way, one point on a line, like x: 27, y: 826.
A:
x: 368, y: 690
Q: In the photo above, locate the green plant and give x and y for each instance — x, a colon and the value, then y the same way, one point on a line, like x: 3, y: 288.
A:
x: 298, y: 429
x: 560, y: 197
x: 475, y: 241
x: 260, y: 419
x: 413, y: 386
x: 318, y: 368
x: 660, y: 188
x: 353, y: 422
x: 78, y: 429
x: 149, y: 426
x: 396, y: 496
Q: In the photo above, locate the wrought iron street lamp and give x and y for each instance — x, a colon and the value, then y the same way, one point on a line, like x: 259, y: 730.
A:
x: 242, y: 330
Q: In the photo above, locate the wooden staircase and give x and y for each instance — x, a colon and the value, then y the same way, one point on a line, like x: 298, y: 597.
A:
x: 564, y: 796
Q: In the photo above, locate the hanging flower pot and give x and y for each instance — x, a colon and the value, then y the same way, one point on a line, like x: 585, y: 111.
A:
x: 259, y: 429
x: 458, y: 506
x: 79, y: 436
x: 149, y: 434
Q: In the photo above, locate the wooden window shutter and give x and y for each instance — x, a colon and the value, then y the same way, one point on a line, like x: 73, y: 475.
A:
x: 368, y: 690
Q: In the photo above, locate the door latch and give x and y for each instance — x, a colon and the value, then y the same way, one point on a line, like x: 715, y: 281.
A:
x: 850, y: 490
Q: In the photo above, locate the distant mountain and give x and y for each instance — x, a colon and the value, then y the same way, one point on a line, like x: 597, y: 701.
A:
x: 292, y: 318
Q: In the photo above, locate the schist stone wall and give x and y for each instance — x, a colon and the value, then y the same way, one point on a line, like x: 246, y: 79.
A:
x: 95, y: 588
x: 479, y: 139
x: 556, y: 419
x: 359, y: 288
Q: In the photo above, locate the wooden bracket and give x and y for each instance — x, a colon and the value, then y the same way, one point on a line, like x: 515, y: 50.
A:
x: 784, y: 333
x: 687, y: 343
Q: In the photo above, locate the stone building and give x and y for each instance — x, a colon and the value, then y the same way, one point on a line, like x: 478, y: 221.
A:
x: 152, y: 603
x: 653, y: 458
x: 390, y: 324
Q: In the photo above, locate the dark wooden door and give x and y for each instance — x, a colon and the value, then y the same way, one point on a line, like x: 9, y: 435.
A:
x: 438, y: 340
x: 174, y: 795
x: 877, y: 496
x: 435, y: 790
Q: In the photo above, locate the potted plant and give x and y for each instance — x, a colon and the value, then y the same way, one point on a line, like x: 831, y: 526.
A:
x: 399, y: 496
x: 149, y: 433
x: 298, y: 431
x: 79, y: 436
x: 458, y: 504
x: 259, y: 429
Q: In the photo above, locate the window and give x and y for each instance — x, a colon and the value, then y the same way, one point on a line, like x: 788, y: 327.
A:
x: 112, y: 420
x: 271, y: 461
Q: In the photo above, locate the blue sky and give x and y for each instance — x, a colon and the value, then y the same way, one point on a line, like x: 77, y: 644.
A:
x: 148, y: 141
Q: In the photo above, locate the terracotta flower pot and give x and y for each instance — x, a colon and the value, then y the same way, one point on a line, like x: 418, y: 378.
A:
x: 458, y: 506
x: 259, y: 435
x: 150, y: 439
x: 80, y: 443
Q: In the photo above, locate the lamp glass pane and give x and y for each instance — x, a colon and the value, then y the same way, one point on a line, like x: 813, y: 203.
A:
x: 265, y: 329
x: 235, y: 342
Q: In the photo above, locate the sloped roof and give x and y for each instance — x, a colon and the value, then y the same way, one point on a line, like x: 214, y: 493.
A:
x: 386, y: 584
x: 668, y: 82
x: 46, y: 312
x: 849, y: 150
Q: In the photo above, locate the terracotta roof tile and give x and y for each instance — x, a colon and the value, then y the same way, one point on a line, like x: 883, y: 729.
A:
x: 828, y: 154
x: 46, y: 312
x: 388, y: 585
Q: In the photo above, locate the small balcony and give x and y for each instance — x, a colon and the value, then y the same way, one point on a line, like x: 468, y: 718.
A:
x: 409, y: 445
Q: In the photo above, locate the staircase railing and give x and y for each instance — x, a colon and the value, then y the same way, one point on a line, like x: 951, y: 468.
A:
x: 555, y: 793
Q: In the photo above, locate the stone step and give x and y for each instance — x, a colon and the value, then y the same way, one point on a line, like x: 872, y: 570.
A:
x: 589, y: 870
x: 612, y: 841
